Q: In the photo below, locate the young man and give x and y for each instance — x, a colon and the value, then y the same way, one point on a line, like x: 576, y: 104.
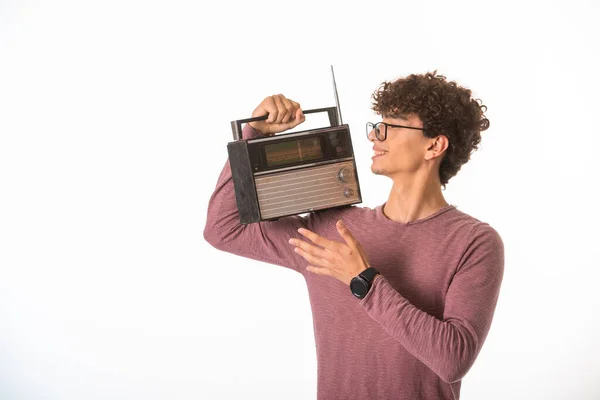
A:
x: 426, y: 275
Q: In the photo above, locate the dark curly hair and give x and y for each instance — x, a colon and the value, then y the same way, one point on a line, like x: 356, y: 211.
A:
x: 445, y: 109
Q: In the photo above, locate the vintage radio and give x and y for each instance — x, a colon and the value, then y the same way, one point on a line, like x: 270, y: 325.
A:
x: 293, y: 173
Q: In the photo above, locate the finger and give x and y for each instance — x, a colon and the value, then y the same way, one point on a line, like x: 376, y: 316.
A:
x: 316, y: 239
x: 289, y: 110
x: 309, y: 248
x: 346, y: 235
x: 281, y: 110
x: 312, y: 259
x: 352, y: 243
x: 298, y: 117
x: 271, y: 107
x: 296, y: 107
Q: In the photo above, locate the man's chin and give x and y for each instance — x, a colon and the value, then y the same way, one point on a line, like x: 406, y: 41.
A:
x: 379, y: 171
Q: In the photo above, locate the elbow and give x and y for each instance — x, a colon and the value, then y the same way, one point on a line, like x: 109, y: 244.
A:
x: 219, y: 237
x: 460, y: 361
x: 212, y: 236
x: 455, y: 372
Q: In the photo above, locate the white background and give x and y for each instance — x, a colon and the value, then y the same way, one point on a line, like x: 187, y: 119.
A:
x: 114, y: 120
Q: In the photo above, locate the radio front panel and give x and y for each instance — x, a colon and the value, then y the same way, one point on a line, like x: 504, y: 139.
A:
x: 307, y: 189
x: 294, y: 173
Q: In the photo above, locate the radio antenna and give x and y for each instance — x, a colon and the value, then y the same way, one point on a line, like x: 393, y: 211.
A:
x: 337, y: 100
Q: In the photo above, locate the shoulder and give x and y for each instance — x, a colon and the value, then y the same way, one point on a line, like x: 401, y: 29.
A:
x: 473, y: 227
x: 479, y: 229
x: 483, y: 242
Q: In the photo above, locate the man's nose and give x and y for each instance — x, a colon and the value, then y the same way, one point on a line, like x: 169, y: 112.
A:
x: 371, y: 136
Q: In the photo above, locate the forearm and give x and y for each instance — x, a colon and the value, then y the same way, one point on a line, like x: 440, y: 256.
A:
x: 450, y: 345
x: 449, y: 348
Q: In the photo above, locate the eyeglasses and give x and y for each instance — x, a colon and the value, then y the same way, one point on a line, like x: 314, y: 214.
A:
x: 381, y: 129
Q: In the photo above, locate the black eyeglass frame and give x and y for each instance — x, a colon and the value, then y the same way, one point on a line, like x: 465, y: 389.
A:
x: 377, y: 130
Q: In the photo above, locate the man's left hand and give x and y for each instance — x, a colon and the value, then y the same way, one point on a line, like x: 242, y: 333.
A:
x: 328, y: 257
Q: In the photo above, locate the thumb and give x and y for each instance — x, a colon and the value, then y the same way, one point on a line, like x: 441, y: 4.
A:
x: 352, y: 243
x: 345, y: 233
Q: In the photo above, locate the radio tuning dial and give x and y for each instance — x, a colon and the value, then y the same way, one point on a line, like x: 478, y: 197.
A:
x: 345, y: 174
x: 348, y: 192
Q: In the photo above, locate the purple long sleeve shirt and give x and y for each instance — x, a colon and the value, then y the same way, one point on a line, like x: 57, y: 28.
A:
x: 421, y: 326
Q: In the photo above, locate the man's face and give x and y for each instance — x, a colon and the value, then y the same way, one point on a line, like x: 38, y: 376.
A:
x: 404, y: 149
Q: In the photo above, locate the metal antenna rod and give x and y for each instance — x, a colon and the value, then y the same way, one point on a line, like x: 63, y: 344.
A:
x: 337, y: 100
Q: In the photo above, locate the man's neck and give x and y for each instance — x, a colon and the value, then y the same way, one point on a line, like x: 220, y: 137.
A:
x: 412, y: 199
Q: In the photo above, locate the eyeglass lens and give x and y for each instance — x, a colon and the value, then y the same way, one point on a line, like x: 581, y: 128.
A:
x: 379, y: 128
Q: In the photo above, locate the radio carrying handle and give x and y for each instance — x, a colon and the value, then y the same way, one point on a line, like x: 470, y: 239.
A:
x: 236, y: 126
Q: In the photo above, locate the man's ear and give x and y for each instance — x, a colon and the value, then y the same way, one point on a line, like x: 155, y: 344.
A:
x: 437, y: 147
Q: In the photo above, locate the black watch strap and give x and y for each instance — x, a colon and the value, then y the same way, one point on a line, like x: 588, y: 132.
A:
x: 361, y: 284
x: 369, y: 274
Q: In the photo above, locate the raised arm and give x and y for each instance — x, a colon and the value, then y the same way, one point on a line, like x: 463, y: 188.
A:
x: 263, y: 241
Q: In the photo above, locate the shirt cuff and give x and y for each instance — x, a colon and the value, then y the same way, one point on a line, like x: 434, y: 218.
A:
x: 374, y: 286
x: 249, y: 132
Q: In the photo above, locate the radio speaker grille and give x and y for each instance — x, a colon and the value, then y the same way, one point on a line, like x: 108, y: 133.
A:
x: 305, y: 190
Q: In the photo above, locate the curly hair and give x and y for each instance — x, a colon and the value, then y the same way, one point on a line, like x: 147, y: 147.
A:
x: 445, y: 109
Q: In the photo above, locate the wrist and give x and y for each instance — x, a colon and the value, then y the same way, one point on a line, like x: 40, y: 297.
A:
x: 250, y: 132
x: 362, y: 284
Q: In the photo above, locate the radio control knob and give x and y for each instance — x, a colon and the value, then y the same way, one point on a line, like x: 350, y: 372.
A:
x: 345, y: 174
x: 348, y: 192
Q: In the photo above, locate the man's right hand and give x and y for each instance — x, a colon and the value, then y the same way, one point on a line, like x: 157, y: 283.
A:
x: 283, y: 114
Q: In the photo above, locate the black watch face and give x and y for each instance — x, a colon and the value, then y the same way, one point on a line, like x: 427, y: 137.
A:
x: 358, y: 287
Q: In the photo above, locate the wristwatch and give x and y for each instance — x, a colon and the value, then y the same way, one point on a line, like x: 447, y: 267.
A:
x: 360, y: 285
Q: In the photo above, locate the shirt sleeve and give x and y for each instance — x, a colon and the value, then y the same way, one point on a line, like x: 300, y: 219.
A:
x: 263, y: 241
x: 449, y: 346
